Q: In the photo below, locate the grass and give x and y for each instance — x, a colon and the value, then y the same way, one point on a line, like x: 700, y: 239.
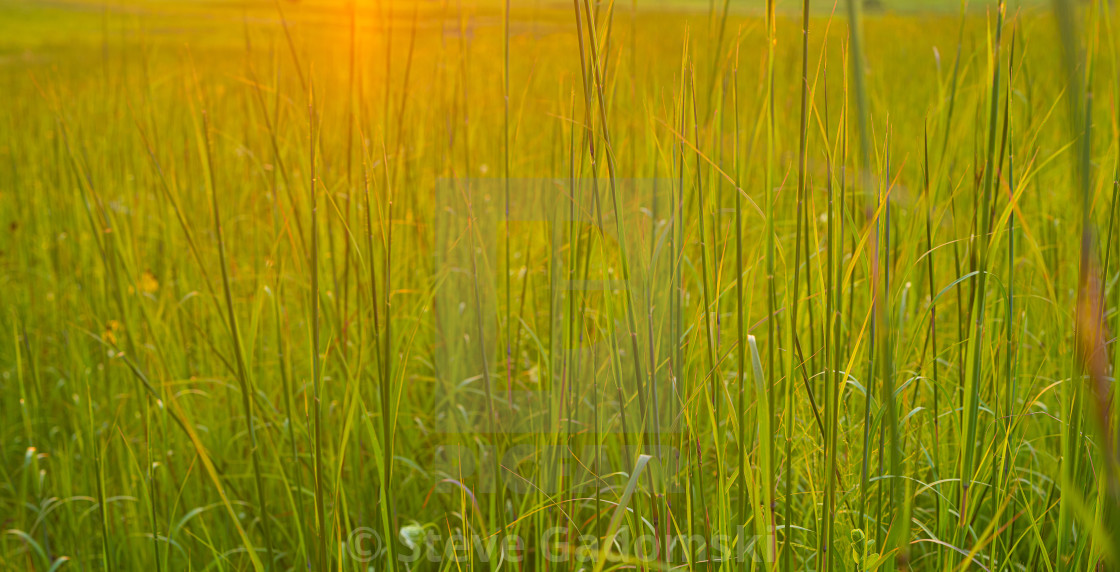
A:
x: 549, y: 286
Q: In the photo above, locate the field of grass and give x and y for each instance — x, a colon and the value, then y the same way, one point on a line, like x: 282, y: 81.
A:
x: 559, y: 285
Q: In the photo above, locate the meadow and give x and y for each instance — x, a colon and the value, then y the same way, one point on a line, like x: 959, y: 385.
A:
x: 550, y: 285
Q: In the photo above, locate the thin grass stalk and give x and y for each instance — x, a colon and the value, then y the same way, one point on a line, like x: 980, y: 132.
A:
x: 322, y: 555
x: 717, y: 51
x: 285, y: 387
x: 1091, y: 360
x: 898, y: 537
x: 342, y: 283
x: 390, y: 179
x: 676, y: 242
x: 99, y: 473
x: 771, y: 298
x: 828, y: 511
x: 506, y: 184
x: 712, y: 372
x: 763, y: 505
x: 792, y: 298
x: 570, y: 359
x: 740, y: 318
x: 1003, y: 542
x: 706, y: 314
x: 1114, y: 509
x: 149, y: 477
x: 244, y: 382
x: 871, y: 203
x: 384, y: 387
x: 976, y: 329
x: 952, y: 90
x: 597, y: 82
x: 934, y: 359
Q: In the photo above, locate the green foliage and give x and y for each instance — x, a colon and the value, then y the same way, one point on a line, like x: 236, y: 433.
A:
x: 443, y: 285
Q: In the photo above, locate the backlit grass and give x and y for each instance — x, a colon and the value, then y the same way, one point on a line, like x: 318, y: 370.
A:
x: 558, y: 285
